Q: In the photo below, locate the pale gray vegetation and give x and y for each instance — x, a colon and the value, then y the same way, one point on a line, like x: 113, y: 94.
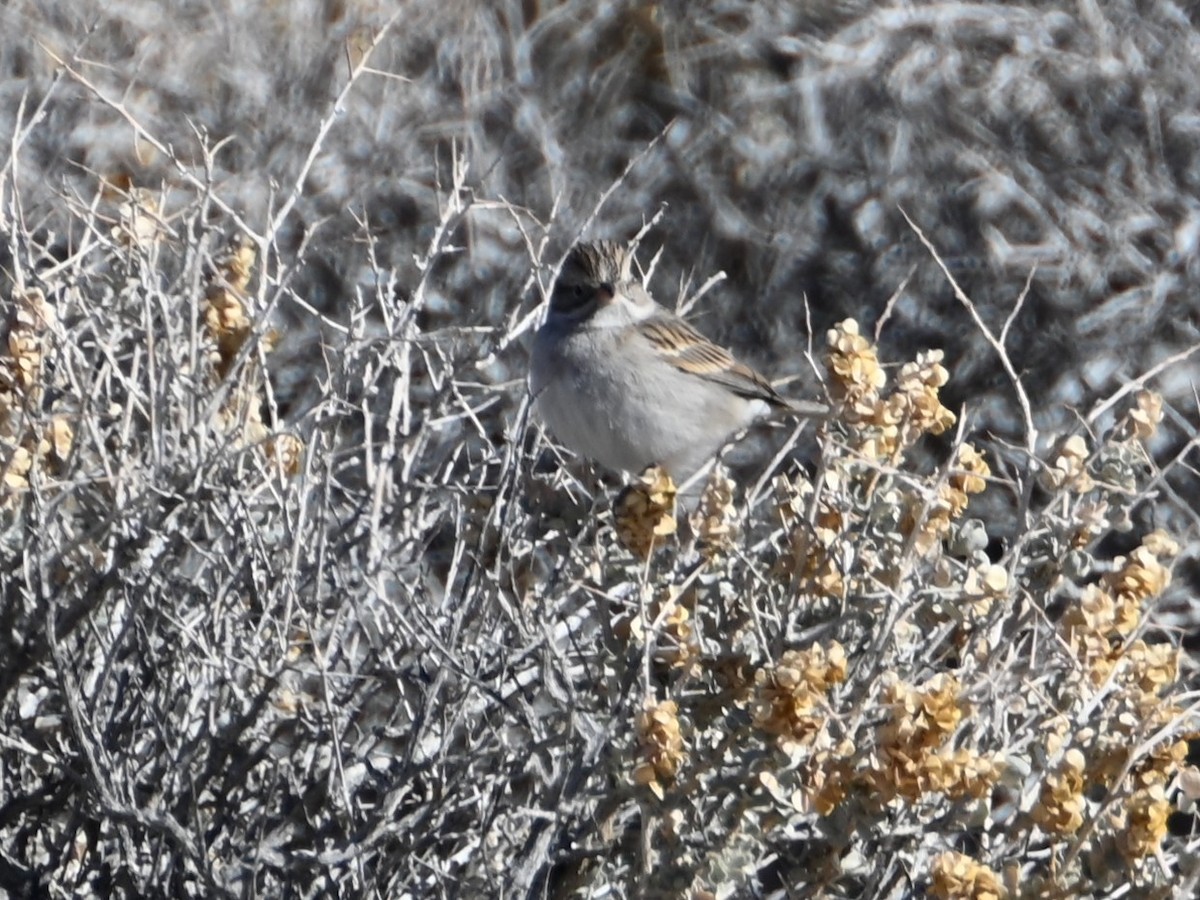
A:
x: 407, y: 668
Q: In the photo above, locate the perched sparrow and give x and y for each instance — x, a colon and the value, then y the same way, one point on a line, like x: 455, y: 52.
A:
x: 623, y: 381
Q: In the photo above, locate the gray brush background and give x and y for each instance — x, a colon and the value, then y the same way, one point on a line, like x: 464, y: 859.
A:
x: 1058, y: 136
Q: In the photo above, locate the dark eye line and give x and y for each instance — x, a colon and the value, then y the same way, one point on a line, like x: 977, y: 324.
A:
x: 571, y: 296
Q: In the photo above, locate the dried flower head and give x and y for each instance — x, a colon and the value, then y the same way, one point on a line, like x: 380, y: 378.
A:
x: 1141, y: 824
x: 21, y: 368
x: 15, y: 469
x: 790, y: 700
x: 714, y: 518
x: 917, y: 386
x: 1141, y: 422
x: 970, y: 469
x: 935, y: 518
x: 965, y: 774
x: 1112, y: 609
x: 1150, y: 668
x: 645, y: 512
x: 22, y: 393
x: 660, y: 744
x: 1060, y: 804
x: 907, y: 761
x: 854, y: 366
x: 958, y: 877
x: 1068, y: 467
x: 59, y: 437
x: 225, y: 316
x: 827, y: 777
x: 677, y: 645
x: 286, y: 452
x: 1139, y: 577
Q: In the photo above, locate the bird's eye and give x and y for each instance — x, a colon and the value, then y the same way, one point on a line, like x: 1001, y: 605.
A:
x: 571, y: 297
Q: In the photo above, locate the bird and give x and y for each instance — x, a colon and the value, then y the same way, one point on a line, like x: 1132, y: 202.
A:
x: 627, y: 383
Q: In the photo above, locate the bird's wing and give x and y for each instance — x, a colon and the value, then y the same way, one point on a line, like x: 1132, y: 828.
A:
x: 689, y: 351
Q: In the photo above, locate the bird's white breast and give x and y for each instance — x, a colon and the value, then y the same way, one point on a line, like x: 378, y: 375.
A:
x: 607, y: 395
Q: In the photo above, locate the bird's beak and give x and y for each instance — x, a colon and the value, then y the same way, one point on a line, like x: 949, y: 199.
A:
x: 606, y: 292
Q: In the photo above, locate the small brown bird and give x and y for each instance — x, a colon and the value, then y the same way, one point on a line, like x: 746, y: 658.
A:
x: 623, y: 381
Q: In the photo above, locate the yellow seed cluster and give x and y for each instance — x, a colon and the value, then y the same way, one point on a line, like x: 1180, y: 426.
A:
x: 920, y: 719
x: 790, y: 696
x: 1088, y: 625
x: 1110, y: 748
x: 853, y: 363
x: 1141, y: 423
x: 713, y: 520
x: 1150, y: 668
x: 1068, y: 467
x: 970, y: 468
x: 911, y: 758
x: 645, y: 512
x: 1060, y: 804
x: 954, y: 876
x: 827, y: 777
x: 967, y: 476
x: 16, y: 472
x: 1142, y: 576
x: 1134, y: 675
x: 1111, y: 610
x: 1141, y: 824
x: 21, y: 366
x: 22, y: 393
x: 883, y: 427
x: 678, y: 645
x: 225, y: 316
x: 660, y: 744
x: 228, y: 325
x: 915, y: 405
x: 286, y: 452
x: 964, y: 774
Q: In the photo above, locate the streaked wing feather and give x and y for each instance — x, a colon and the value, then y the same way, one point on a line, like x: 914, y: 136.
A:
x: 690, y: 351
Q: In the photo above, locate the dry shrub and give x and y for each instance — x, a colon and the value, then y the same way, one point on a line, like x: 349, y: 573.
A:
x: 289, y: 616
